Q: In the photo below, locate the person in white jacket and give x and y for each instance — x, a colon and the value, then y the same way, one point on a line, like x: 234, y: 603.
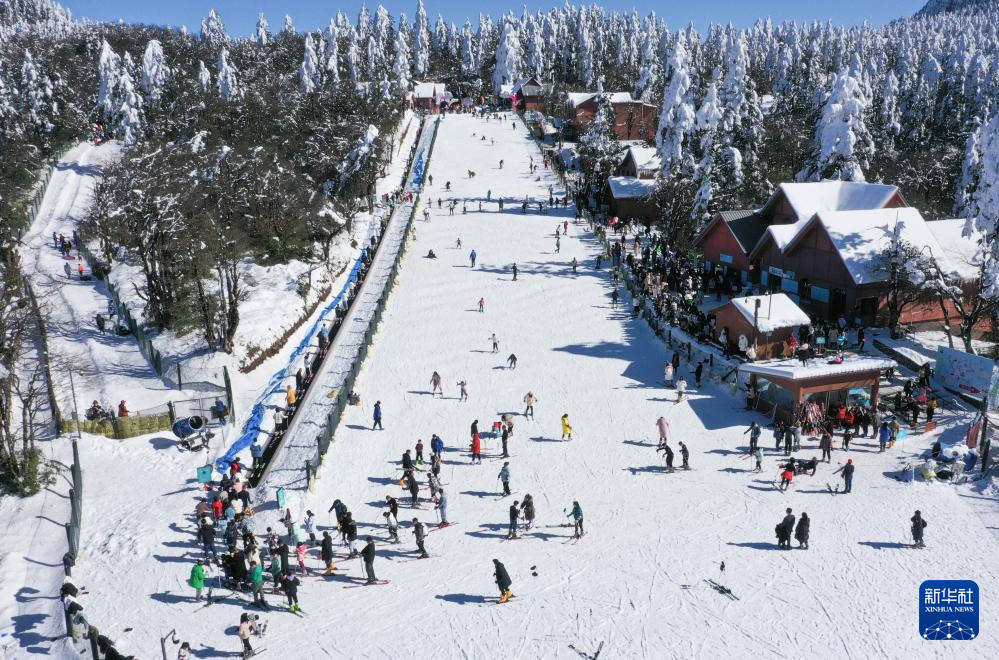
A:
x: 668, y: 374
x: 310, y: 526
x: 681, y: 388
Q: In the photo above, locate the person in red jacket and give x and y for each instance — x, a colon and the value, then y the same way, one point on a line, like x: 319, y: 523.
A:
x: 217, y: 508
x: 122, y: 409
x: 476, y: 448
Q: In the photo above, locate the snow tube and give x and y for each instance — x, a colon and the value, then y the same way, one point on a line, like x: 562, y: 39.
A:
x: 188, y: 426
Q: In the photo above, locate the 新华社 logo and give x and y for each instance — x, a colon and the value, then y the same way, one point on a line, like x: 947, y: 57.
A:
x: 948, y: 610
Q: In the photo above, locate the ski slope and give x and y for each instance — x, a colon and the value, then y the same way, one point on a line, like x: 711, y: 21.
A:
x: 634, y: 583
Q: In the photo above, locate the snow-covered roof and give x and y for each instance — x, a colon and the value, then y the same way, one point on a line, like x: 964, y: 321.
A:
x: 807, y: 199
x: 574, y: 99
x: 646, y: 158
x: 525, y: 82
x: 506, y: 90
x: 629, y: 187
x: 861, y: 236
x: 429, y: 90
x: 776, y: 311
x: 962, y: 252
x: 793, y: 369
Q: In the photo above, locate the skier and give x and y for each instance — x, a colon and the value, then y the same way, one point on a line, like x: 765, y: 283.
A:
x: 441, y: 508
x: 257, y: 580
x: 512, y: 361
x: 246, y: 628
x: 420, y: 538
x: 754, y: 432
x: 482, y: 305
x: 558, y: 245
x: 504, y: 476
x: 502, y: 581
x: 758, y: 455
x: 435, y: 384
x: 787, y: 476
x: 918, y: 525
x: 529, y: 401
x: 515, y: 272
x: 495, y: 342
x: 368, y: 555
x: 414, y: 488
x: 419, y: 452
x: 326, y: 553
x: 663, y: 427
x: 566, y: 428
x: 290, y: 586
x: 668, y: 374
x: 667, y: 455
x: 309, y: 525
x: 349, y: 530
x: 426, y: 215
x: 577, y: 519
x: 685, y: 456
x: 462, y: 391
x: 501, y: 163
x: 505, y: 432
x: 681, y: 388
x: 575, y: 264
x: 476, y: 448
x: 698, y: 370
x: 847, y: 471
x: 514, y: 516
x: 198, y: 579
x: 471, y: 258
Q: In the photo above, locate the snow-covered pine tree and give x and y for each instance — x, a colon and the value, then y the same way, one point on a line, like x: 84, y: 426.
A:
x: 509, y: 62
x: 129, y: 116
x: 983, y: 211
x: 971, y: 169
x: 262, y: 33
x: 289, y: 26
x: 204, y: 78
x: 585, y: 65
x: 333, y: 55
x: 36, y: 96
x: 213, y: 30
x: 598, y: 146
x: 155, y: 71
x: 353, y: 55
x: 469, y: 65
x: 676, y: 121
x: 108, y: 72
x: 401, y: 67
x: 309, y: 74
x: 843, y: 145
x: 421, y: 41
x: 712, y: 155
x: 228, y: 81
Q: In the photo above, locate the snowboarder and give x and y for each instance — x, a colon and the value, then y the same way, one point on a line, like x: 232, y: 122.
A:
x: 504, y: 477
x: 847, y: 471
x: 471, y: 258
x: 663, y: 427
x: 421, y: 536
x: 566, y: 427
x: 512, y: 361
x: 502, y: 580
x: 801, y: 531
x: 529, y: 401
x: 482, y: 305
x: 495, y: 342
x: 918, y: 525
x: 435, y: 384
x: 685, y: 456
x: 377, y: 416
x: 577, y: 519
x: 368, y: 556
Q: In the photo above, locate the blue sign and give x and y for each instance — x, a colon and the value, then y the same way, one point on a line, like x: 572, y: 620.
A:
x: 948, y: 610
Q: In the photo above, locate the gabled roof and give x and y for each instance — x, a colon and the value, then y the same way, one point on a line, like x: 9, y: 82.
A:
x: 429, y: 90
x: 964, y: 253
x: 807, y: 199
x: 861, y: 236
x: 574, y: 99
x: 519, y: 84
x: 646, y: 158
x: 629, y: 187
x: 747, y: 226
x: 776, y: 311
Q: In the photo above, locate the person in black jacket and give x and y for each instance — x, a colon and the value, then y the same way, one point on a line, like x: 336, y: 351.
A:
x: 282, y: 550
x: 290, y: 585
x: 918, y: 525
x: 326, y: 553
x: 420, y: 538
x: 407, y: 461
x: 503, y: 580
x: 368, y: 555
x: 206, y: 534
x: 514, y: 516
x: 349, y: 529
x: 801, y: 531
x: 341, y: 511
x: 784, y: 530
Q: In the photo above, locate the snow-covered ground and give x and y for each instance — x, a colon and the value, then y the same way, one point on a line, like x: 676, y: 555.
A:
x: 635, y: 581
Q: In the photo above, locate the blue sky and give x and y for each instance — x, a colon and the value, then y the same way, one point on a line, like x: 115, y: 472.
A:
x: 240, y: 15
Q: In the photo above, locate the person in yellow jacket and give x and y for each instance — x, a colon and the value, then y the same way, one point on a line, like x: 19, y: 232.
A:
x: 289, y: 397
x: 566, y: 428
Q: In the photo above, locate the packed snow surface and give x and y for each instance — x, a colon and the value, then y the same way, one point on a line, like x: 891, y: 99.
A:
x: 635, y: 582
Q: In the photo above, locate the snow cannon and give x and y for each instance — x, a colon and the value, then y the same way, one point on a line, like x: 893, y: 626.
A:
x: 188, y: 426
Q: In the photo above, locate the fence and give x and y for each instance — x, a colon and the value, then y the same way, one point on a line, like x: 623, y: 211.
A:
x: 324, y: 439
x: 46, y: 365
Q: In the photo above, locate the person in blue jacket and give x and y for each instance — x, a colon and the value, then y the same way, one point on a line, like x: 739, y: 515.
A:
x: 436, y: 444
x: 471, y: 257
x: 377, y: 416
x: 884, y: 435
x: 256, y: 452
x: 577, y: 518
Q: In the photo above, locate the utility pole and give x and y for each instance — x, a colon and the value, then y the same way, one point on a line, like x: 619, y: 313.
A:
x: 756, y: 317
